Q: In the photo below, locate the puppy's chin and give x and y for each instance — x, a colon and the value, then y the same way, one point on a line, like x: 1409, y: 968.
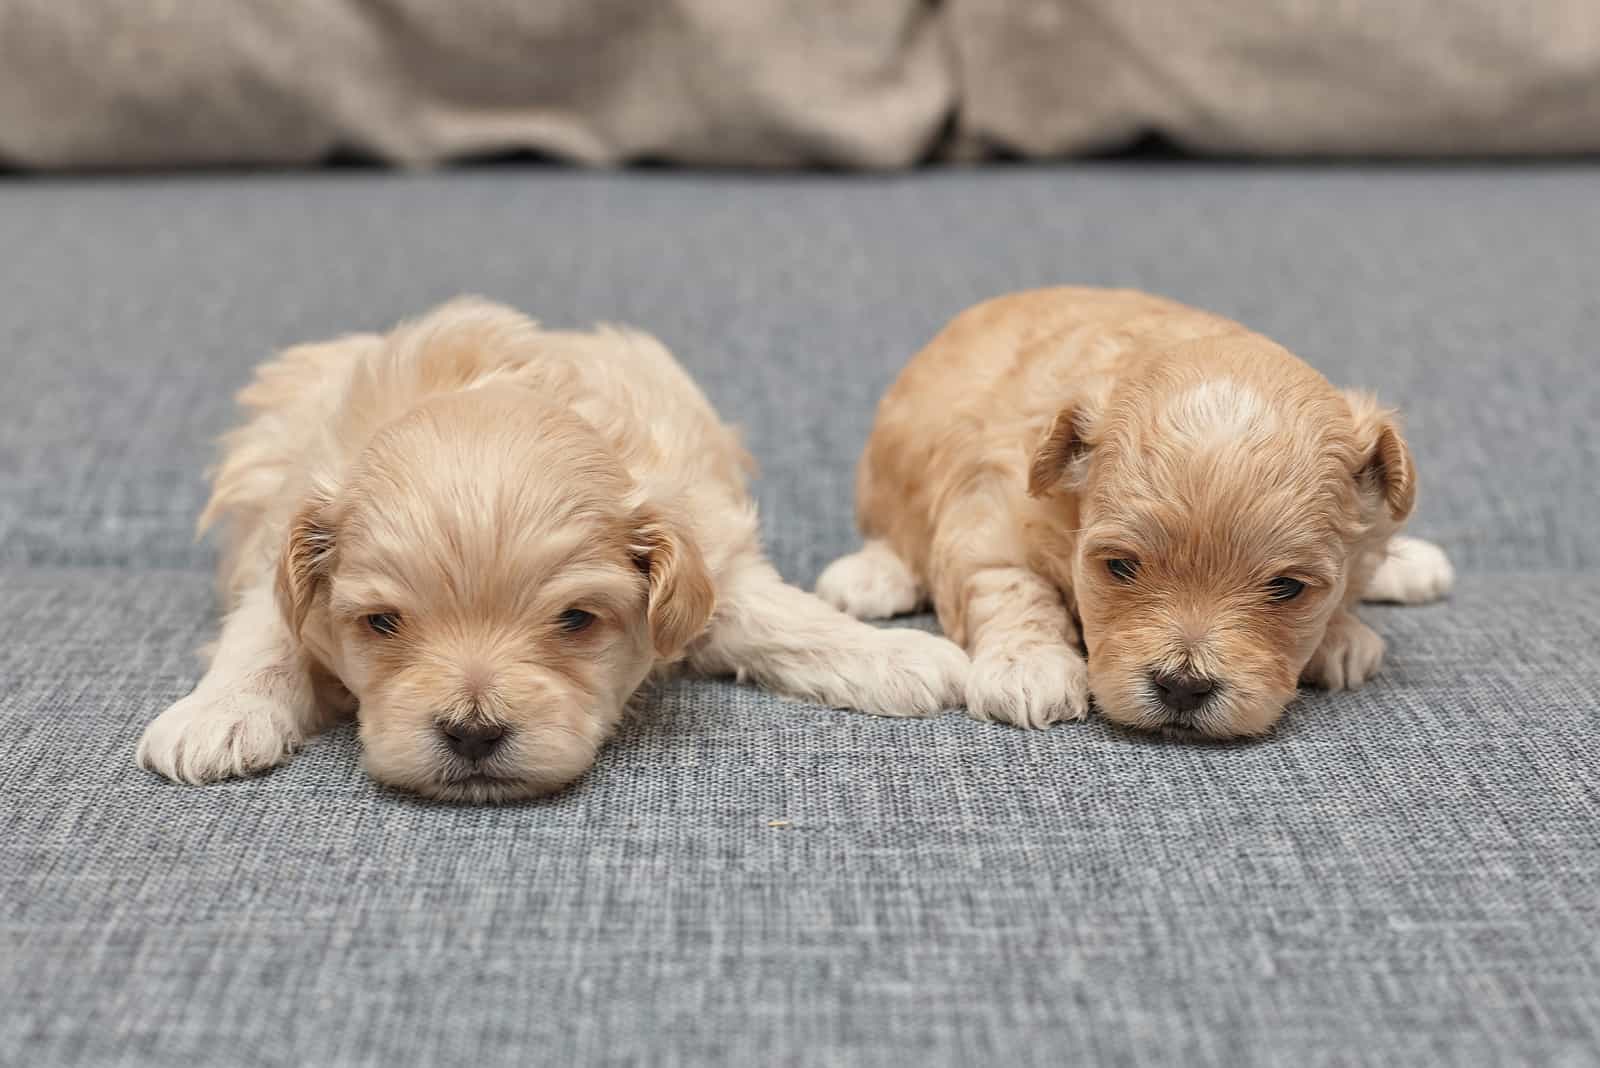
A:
x: 1243, y: 705
x: 531, y: 761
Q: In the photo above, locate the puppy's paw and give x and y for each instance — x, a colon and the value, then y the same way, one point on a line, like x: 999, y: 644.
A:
x: 912, y: 673
x: 207, y: 737
x: 1350, y: 654
x: 871, y: 584
x: 1031, y: 686
x: 1413, y: 571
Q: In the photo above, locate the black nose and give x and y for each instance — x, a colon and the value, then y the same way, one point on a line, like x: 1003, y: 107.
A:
x: 1181, y: 693
x: 471, y: 740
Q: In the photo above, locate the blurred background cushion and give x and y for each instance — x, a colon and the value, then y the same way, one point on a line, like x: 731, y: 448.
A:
x: 97, y: 83
x: 1278, y: 77
x: 758, y: 82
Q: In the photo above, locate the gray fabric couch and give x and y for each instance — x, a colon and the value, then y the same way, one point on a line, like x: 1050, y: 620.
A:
x: 1407, y: 874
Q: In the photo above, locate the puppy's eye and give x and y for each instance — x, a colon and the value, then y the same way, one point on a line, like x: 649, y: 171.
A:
x: 574, y: 620
x: 1123, y: 570
x: 1284, y: 588
x: 386, y: 624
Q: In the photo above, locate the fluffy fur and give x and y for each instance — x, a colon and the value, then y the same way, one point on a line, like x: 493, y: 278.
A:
x: 1077, y: 469
x: 474, y: 529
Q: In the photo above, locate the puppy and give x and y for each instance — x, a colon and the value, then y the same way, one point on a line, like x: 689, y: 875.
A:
x: 1203, y: 509
x: 480, y: 538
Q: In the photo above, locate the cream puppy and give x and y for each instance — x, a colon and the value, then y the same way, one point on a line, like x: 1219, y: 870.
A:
x: 480, y: 538
x: 1197, y: 506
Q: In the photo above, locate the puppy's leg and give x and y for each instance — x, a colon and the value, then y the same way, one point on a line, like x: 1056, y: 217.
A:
x: 1412, y: 571
x: 788, y: 640
x: 251, y: 710
x: 871, y: 584
x: 1351, y: 653
x: 1026, y: 668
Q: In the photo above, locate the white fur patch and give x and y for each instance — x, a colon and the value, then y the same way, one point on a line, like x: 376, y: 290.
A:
x: 1218, y: 410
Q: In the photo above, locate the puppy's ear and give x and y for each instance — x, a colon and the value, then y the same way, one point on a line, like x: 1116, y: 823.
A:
x: 1384, y: 471
x: 1059, y: 458
x: 303, y: 564
x: 681, y: 592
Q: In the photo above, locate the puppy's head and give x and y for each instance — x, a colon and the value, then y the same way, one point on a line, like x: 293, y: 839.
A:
x: 1225, y: 492
x: 485, y: 584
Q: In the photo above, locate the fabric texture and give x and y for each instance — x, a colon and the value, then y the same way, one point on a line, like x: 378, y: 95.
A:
x: 758, y: 82
x: 96, y: 83
x: 1278, y: 77
x: 1405, y: 874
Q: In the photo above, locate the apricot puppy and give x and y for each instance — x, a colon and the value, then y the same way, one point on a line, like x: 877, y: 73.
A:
x: 1195, y: 502
x: 480, y: 537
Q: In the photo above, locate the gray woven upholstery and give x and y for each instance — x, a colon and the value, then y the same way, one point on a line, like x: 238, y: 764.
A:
x: 1405, y: 874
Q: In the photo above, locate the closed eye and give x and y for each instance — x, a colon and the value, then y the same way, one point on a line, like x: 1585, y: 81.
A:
x: 383, y: 624
x: 575, y: 620
x: 1284, y: 588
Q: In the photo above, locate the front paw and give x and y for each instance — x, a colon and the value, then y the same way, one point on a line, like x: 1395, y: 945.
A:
x: 914, y: 674
x: 1412, y: 571
x: 1349, y: 655
x: 1032, y: 686
x: 210, y: 737
x: 870, y: 584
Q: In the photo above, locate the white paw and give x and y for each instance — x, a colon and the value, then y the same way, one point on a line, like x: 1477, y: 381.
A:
x: 913, y: 674
x: 871, y: 584
x: 1350, y: 654
x: 208, y: 737
x: 1413, y: 571
x: 1031, y: 686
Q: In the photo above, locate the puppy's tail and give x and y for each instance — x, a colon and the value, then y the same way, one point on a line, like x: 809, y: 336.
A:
x: 770, y: 633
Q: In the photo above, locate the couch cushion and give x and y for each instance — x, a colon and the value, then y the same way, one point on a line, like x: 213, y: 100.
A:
x: 87, y: 83
x: 1277, y: 77
x: 97, y: 83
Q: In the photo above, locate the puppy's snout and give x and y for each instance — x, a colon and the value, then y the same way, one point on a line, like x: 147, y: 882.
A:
x: 474, y: 741
x: 1181, y: 693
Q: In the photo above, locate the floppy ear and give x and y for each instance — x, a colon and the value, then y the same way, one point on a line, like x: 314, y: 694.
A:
x: 681, y: 593
x: 1058, y: 458
x: 1384, y: 471
x: 303, y: 564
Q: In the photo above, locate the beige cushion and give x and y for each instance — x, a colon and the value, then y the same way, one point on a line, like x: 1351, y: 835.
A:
x: 87, y: 83
x: 756, y: 82
x: 1317, y: 77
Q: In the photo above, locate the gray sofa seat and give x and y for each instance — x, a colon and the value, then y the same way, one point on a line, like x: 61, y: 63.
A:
x: 1407, y: 873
